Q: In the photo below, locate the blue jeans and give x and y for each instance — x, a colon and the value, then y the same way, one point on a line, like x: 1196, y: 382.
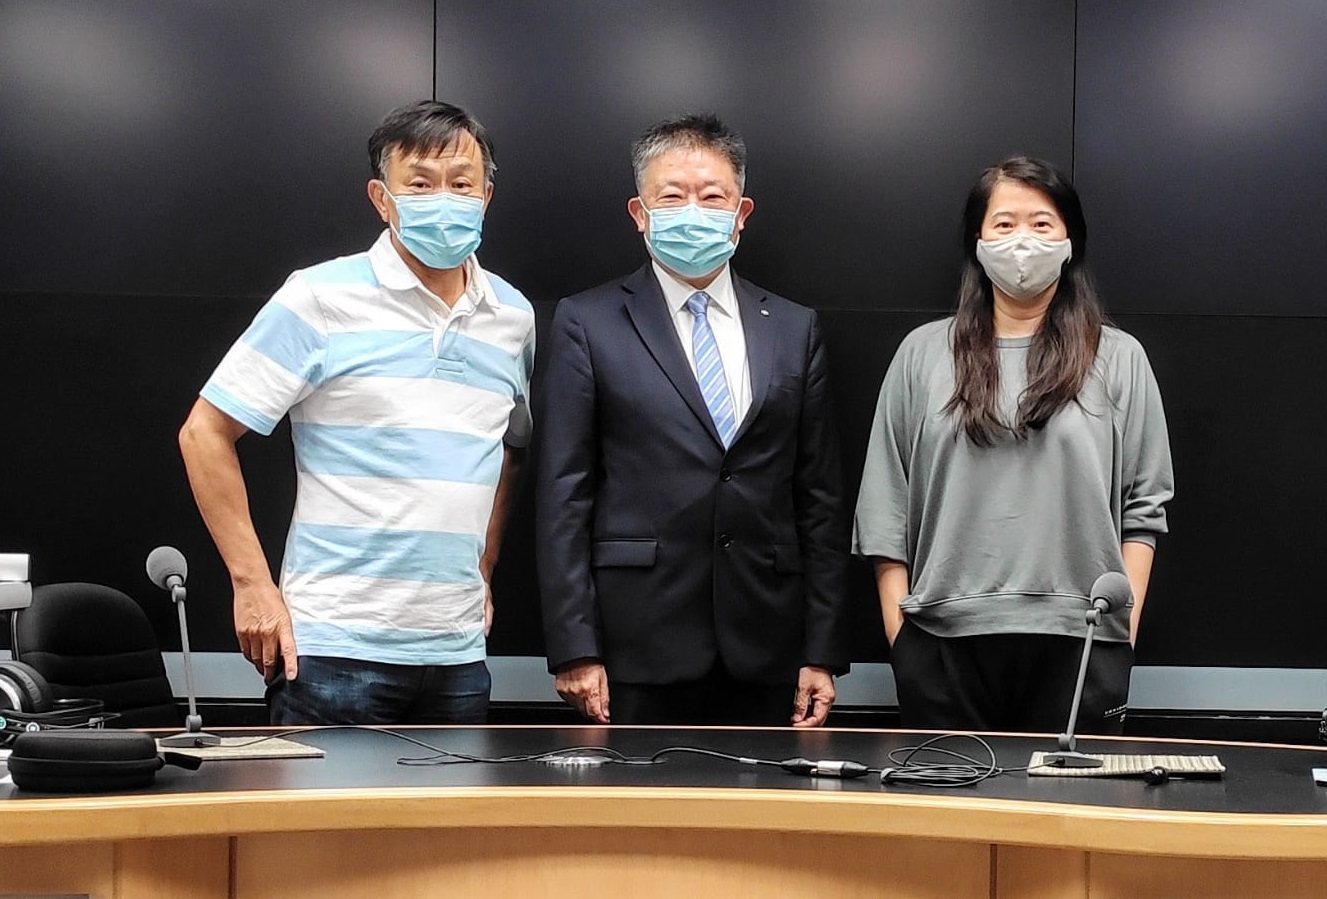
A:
x: 329, y: 690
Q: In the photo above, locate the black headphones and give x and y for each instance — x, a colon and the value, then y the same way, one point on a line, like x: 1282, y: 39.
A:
x: 27, y: 703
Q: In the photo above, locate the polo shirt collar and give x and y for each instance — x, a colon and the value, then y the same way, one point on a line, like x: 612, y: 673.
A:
x: 394, y: 274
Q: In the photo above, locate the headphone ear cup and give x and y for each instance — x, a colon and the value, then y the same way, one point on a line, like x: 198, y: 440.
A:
x: 34, y: 692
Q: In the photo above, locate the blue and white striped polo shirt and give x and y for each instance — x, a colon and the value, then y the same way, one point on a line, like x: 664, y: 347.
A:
x: 399, y: 411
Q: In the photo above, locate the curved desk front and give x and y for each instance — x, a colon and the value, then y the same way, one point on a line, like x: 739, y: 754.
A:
x: 359, y: 823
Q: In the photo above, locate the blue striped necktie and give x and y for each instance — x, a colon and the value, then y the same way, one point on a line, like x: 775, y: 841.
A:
x: 709, y: 370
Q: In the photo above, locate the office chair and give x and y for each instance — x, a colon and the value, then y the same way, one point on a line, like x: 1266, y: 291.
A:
x: 90, y: 641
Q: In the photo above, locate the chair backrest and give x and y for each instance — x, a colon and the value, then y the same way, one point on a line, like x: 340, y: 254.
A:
x: 92, y: 641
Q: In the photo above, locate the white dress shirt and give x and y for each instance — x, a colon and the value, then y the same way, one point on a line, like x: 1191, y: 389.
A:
x: 725, y: 321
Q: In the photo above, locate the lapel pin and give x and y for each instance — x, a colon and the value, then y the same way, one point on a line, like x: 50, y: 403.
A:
x: 764, y: 312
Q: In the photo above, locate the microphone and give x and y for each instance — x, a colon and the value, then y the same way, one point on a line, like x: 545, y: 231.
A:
x: 1111, y: 591
x: 167, y: 568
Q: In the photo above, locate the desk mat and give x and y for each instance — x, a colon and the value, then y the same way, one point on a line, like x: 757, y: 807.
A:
x: 250, y: 748
x: 1119, y: 765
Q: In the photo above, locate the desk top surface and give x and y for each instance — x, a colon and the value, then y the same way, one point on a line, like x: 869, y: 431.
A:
x: 1265, y: 806
x: 1258, y: 779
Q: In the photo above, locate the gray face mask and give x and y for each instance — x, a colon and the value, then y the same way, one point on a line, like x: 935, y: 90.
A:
x: 1023, y: 265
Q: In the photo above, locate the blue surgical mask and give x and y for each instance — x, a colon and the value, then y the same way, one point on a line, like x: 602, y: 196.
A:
x: 691, y: 240
x: 440, y: 230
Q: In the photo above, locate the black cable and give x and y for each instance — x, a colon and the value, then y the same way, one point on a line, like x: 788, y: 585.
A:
x: 60, y: 719
x: 968, y: 772
x: 696, y: 750
x: 842, y: 769
x: 906, y: 766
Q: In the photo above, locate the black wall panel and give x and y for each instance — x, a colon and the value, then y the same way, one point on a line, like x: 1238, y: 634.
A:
x: 1201, y: 153
x: 186, y: 149
x: 1237, y: 581
x: 866, y: 122
x: 94, y: 389
x: 1201, y: 144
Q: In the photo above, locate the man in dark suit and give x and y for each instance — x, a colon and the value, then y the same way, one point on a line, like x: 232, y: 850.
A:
x: 692, y: 542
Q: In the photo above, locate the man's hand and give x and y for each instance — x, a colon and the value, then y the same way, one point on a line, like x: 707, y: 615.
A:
x: 262, y: 624
x: 815, y: 696
x: 584, y: 685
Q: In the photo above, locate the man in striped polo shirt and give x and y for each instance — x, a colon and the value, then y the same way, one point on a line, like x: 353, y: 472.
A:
x: 405, y: 373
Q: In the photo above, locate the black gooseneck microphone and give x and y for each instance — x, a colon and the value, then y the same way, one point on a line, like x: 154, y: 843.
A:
x: 167, y: 568
x: 1110, y: 591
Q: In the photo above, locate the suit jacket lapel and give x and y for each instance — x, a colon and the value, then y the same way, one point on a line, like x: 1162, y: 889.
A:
x: 649, y: 313
x: 758, y: 329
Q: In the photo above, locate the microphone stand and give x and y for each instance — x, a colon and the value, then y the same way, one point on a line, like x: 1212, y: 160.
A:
x: 1067, y: 756
x: 193, y: 736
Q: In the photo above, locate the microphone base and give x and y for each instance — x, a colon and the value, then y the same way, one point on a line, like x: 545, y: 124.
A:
x: 1070, y: 759
x: 189, y: 740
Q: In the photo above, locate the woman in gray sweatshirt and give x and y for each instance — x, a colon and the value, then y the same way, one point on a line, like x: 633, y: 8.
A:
x: 1018, y: 452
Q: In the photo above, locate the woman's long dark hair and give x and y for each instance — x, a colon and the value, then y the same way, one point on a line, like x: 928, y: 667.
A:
x: 1064, y: 347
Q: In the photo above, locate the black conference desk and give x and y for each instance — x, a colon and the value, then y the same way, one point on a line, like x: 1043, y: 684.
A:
x: 357, y: 823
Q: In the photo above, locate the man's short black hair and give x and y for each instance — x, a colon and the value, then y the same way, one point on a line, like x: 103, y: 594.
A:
x: 424, y: 128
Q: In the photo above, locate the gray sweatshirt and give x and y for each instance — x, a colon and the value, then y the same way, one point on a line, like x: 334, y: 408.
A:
x: 1009, y: 538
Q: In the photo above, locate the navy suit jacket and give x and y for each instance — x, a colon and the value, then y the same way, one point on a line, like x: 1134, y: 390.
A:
x: 659, y: 552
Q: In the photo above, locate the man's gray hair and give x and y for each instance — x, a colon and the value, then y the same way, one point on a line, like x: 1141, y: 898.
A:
x: 689, y: 132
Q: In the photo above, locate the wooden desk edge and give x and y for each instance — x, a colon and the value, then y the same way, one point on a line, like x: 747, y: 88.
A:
x: 950, y: 817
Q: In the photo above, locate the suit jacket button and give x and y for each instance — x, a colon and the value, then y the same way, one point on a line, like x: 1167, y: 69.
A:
x: 725, y: 541
x: 725, y: 474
